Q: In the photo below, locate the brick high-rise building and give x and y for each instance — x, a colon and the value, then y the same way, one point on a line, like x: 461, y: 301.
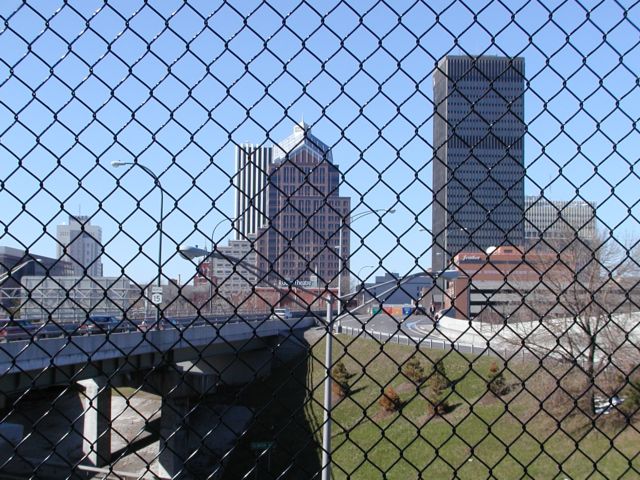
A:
x: 305, y: 212
x: 478, y: 165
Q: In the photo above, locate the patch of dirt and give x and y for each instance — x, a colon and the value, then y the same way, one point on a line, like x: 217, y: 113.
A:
x: 487, y: 399
x: 381, y: 415
x: 336, y: 399
x: 424, y: 419
x: 407, y: 387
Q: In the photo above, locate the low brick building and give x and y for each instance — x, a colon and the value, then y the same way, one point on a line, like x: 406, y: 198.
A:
x: 498, y: 283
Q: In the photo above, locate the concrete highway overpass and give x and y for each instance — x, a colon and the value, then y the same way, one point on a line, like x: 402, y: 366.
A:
x: 175, y: 363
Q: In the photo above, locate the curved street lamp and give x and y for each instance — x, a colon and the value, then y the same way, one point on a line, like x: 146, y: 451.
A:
x: 355, y: 217
x: 361, y: 269
x: 116, y: 164
x: 213, y: 248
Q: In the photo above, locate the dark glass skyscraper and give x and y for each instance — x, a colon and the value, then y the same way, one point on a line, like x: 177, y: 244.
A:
x: 478, y: 164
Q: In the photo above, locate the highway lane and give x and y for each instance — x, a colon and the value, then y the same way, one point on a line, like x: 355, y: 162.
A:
x: 415, y: 326
x: 36, y: 330
x: 418, y: 327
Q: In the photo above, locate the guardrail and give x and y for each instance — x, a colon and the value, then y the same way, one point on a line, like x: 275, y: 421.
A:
x: 58, y: 329
x: 503, y: 352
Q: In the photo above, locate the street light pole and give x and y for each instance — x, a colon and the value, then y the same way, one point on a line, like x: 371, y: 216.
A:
x: 213, y: 248
x: 328, y: 362
x: 340, y: 253
x: 116, y: 164
x: 441, y: 286
x: 193, y: 252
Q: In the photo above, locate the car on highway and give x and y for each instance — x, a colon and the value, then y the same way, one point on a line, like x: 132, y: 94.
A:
x: 103, y: 324
x: 281, y: 314
x: 168, y: 323
x: 164, y: 323
x: 17, y: 329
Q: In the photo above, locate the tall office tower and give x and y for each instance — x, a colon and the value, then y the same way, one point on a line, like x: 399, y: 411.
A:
x: 478, y: 165
x: 250, y: 182
x: 80, y: 244
x: 306, y: 212
x: 554, y: 224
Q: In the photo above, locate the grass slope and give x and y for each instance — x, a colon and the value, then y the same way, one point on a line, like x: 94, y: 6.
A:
x: 516, y: 436
x: 482, y: 437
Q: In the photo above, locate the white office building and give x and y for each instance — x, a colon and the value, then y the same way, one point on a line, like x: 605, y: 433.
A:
x: 250, y: 182
x: 80, y: 244
x: 232, y: 278
x: 553, y: 222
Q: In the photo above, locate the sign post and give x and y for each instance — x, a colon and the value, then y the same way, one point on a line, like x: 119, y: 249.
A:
x: 260, y: 448
x: 156, y: 294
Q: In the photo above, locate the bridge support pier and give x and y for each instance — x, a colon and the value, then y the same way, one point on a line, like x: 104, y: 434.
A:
x: 96, y: 430
x: 174, y: 436
x: 188, y: 380
x: 178, y: 389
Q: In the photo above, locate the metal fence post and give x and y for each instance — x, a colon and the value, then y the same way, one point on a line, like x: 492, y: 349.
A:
x: 327, y: 404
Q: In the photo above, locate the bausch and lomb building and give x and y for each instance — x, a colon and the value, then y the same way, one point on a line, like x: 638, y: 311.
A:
x: 478, y: 165
x: 304, y: 210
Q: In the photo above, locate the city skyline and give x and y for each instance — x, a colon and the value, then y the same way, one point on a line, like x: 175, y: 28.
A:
x: 244, y: 159
x: 378, y: 124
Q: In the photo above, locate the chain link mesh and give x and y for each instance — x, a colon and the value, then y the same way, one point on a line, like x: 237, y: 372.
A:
x: 319, y: 239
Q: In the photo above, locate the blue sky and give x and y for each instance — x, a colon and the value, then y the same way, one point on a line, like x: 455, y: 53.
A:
x: 175, y: 84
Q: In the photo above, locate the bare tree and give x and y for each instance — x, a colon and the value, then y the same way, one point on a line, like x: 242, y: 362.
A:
x: 578, y: 311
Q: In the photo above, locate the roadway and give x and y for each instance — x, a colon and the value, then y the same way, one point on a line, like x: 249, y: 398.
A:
x: 417, y: 327
x: 30, y: 329
x: 560, y: 338
x: 421, y: 329
x: 25, y: 363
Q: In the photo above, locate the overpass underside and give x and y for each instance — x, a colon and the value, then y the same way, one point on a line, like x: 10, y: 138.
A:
x: 182, y: 371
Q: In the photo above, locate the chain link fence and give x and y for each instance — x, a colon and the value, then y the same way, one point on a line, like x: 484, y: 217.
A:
x: 303, y: 240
